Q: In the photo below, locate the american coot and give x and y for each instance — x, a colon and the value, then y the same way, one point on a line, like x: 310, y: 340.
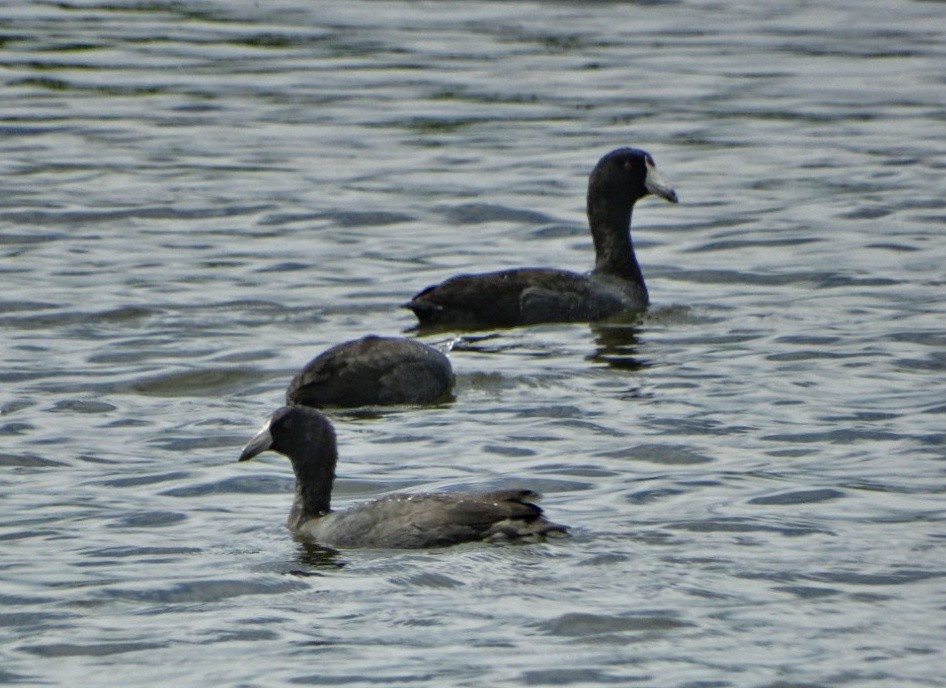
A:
x: 371, y: 371
x: 534, y: 295
x: 307, y: 438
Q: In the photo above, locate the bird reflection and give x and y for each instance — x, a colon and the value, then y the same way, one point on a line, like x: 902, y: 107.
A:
x: 315, y: 556
x: 617, y: 346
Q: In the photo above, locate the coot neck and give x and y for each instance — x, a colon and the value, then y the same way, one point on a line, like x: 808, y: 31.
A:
x: 314, y: 466
x: 611, y: 232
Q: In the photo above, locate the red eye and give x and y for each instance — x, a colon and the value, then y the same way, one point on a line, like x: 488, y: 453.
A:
x: 628, y: 165
x: 649, y: 160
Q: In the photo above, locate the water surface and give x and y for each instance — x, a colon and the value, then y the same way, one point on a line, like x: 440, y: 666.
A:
x: 199, y: 197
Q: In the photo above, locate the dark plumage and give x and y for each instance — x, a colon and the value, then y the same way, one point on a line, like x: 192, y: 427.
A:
x: 534, y: 295
x: 373, y: 371
x: 307, y: 438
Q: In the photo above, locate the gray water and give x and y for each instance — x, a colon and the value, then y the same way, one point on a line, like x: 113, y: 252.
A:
x: 198, y: 197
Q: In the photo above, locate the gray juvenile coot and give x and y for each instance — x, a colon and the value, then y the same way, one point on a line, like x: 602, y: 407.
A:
x: 371, y: 371
x: 534, y: 295
x: 307, y: 438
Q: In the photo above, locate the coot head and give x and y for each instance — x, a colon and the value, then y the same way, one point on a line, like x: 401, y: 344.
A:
x: 291, y: 431
x: 626, y: 175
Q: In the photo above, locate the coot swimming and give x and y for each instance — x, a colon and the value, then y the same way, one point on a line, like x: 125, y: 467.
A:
x: 307, y: 438
x: 522, y: 296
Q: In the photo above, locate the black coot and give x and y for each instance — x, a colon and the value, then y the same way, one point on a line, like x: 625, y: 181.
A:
x: 307, y: 438
x: 373, y: 371
x: 524, y: 296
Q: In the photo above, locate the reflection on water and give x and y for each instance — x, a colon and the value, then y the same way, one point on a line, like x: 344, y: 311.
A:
x: 315, y: 558
x: 617, y: 346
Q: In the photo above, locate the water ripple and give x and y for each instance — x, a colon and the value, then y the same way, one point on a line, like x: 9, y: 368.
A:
x: 199, y: 197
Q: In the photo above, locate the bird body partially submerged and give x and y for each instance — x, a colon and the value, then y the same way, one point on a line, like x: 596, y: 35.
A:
x: 432, y: 519
x: 526, y: 296
x: 373, y: 371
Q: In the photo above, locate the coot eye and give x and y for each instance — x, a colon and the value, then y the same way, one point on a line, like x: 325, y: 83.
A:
x: 649, y: 160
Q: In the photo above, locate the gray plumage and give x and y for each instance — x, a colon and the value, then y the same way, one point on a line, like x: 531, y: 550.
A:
x: 307, y: 438
x: 373, y: 371
x: 523, y: 296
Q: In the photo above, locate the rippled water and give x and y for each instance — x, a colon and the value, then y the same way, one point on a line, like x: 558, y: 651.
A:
x: 198, y: 197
